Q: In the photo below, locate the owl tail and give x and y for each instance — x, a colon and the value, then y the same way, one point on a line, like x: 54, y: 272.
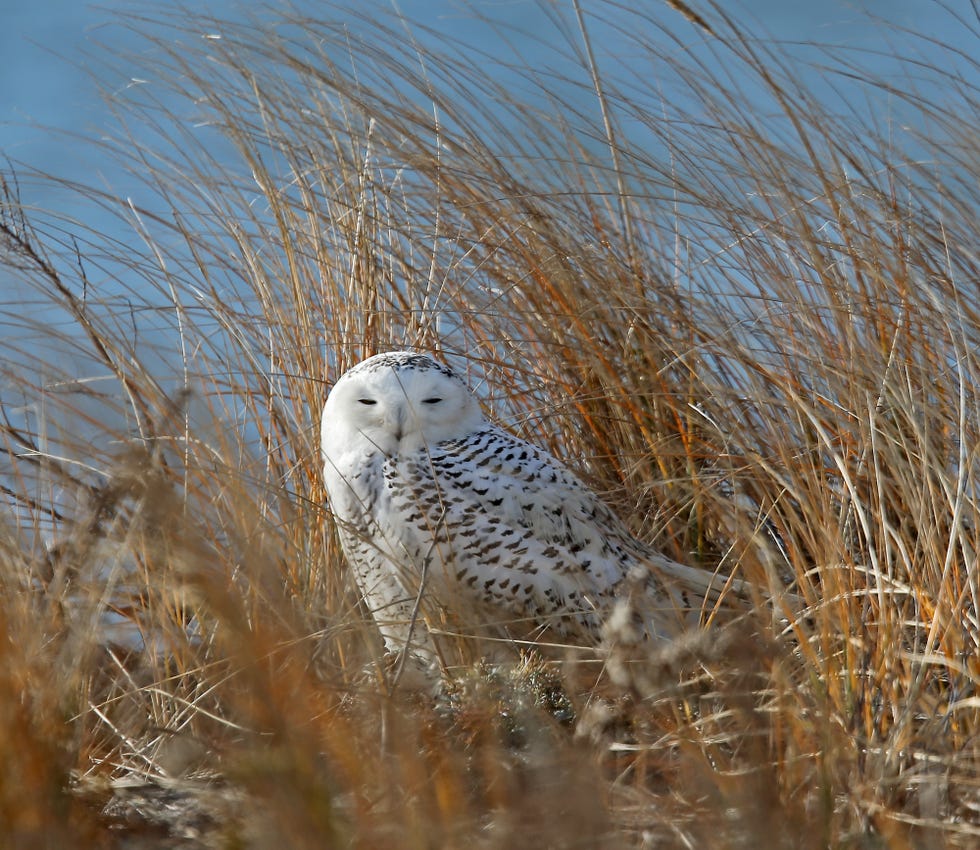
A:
x: 680, y: 597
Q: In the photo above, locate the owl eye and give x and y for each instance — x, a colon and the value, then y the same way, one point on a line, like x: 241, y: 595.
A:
x: 433, y: 400
x: 367, y: 401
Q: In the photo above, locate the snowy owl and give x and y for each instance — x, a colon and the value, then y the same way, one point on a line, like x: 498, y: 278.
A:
x: 442, y: 513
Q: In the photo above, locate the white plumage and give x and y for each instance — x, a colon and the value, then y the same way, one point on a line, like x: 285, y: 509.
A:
x: 443, y: 514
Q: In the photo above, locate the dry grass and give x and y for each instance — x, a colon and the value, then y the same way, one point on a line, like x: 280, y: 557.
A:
x: 682, y: 289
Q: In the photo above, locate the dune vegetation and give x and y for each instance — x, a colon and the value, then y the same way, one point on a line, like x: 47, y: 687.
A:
x: 744, y: 310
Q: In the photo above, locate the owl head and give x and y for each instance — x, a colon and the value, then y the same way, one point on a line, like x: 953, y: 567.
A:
x: 397, y: 402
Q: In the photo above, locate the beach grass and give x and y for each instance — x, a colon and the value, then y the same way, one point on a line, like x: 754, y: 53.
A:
x: 745, y: 313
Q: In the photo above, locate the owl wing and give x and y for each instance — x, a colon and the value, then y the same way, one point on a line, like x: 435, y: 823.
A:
x: 528, y: 490
x: 526, y: 487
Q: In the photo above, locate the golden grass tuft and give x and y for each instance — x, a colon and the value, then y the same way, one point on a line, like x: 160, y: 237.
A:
x: 742, y: 314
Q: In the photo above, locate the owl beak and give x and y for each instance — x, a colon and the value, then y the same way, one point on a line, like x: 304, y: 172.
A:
x: 399, y: 423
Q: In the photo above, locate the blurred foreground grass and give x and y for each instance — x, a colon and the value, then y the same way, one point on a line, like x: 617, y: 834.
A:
x: 710, y: 286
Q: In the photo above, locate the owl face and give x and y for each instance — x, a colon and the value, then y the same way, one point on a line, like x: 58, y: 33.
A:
x: 397, y: 402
